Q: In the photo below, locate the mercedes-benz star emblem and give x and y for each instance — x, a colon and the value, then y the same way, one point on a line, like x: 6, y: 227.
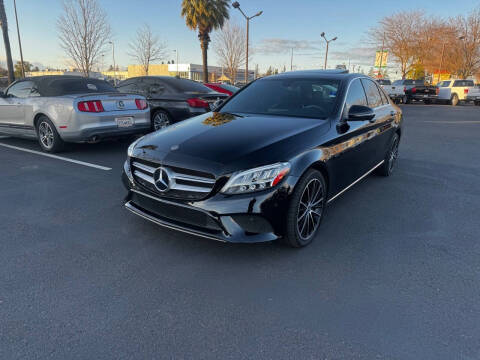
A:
x: 121, y: 104
x: 162, y: 179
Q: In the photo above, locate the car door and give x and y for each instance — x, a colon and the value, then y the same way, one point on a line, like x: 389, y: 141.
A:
x: 352, y: 159
x: 13, y: 107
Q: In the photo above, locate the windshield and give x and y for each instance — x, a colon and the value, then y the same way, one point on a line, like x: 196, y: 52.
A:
x: 312, y: 98
x: 228, y: 87
x: 188, y: 86
x: 444, y: 84
x: 384, y: 82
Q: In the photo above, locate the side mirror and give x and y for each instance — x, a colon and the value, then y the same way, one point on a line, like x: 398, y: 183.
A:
x: 156, y: 89
x: 217, y: 104
x: 360, y: 113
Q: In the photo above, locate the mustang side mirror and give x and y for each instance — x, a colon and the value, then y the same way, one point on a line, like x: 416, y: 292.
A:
x: 360, y: 113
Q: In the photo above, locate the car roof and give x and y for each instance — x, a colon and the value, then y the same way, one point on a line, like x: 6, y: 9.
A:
x: 336, y: 74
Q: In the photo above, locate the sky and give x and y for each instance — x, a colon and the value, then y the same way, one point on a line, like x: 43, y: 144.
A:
x: 282, y: 26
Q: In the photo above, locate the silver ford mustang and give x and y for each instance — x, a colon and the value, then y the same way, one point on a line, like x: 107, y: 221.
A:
x: 59, y: 109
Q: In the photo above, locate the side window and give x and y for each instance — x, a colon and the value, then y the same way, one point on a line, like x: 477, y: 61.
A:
x: 128, y: 87
x: 155, y: 86
x: 384, y: 97
x: 458, y: 83
x: 374, y: 98
x: 355, y: 96
x: 22, y: 89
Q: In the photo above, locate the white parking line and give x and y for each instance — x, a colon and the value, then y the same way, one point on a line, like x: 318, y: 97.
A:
x: 58, y: 157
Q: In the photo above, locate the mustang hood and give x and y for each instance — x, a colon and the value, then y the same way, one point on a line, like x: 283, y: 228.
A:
x: 221, y: 143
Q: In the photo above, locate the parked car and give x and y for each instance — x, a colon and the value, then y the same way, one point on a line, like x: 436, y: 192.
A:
x: 267, y: 162
x: 420, y: 91
x: 172, y: 99
x: 396, y: 93
x: 223, y: 88
x: 474, y: 95
x: 454, y: 91
x: 60, y: 109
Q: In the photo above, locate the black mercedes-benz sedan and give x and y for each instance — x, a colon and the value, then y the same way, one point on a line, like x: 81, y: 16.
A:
x: 265, y: 164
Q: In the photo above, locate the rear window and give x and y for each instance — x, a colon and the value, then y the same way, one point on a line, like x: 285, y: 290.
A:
x: 69, y: 86
x: 384, y: 82
x: 444, y: 84
x: 398, y: 82
x: 228, y: 87
x: 187, y: 86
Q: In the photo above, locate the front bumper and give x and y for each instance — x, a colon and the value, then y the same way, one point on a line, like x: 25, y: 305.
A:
x: 247, y: 218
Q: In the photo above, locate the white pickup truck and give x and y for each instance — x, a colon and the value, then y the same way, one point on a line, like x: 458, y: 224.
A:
x: 474, y: 95
x: 395, y: 92
x: 454, y: 91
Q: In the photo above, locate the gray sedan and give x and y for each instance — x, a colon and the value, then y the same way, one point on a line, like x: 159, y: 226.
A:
x: 59, y: 109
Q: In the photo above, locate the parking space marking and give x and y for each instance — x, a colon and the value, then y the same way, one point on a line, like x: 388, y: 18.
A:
x: 57, y: 157
x: 454, y: 122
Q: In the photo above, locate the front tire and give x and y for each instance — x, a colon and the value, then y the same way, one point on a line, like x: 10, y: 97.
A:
x: 477, y: 103
x: 306, y: 209
x: 48, y: 137
x: 160, y: 120
x: 386, y: 169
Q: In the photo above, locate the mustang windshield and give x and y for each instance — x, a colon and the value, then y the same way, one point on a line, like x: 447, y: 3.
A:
x: 312, y: 98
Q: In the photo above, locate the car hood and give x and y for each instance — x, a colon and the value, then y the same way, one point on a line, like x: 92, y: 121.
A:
x: 221, y: 143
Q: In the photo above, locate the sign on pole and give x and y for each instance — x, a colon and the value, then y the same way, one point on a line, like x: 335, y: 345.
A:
x: 381, y: 60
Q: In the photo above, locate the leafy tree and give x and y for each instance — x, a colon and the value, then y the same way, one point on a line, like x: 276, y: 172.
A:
x: 18, y: 68
x: 205, y: 16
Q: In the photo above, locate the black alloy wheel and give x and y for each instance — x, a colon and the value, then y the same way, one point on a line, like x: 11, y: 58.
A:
x: 160, y: 120
x: 306, y: 209
x: 386, y: 169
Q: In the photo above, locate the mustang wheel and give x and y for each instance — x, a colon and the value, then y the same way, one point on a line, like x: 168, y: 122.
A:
x: 48, y: 137
x: 160, y: 120
x: 390, y: 158
x: 306, y: 209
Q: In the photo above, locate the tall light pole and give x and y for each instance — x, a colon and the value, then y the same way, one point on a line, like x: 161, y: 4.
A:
x: 19, y: 39
x: 176, y: 53
x: 236, y: 5
x: 381, y: 58
x: 114, y: 66
x: 441, y: 62
x: 464, y: 38
x: 6, y: 41
x: 328, y: 43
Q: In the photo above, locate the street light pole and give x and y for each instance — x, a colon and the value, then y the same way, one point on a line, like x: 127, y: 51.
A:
x: 19, y: 39
x: 441, y: 62
x: 114, y: 66
x: 328, y: 43
x: 6, y: 41
x: 236, y: 5
x: 176, y: 53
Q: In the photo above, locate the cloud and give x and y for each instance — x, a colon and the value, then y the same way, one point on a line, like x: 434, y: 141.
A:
x: 275, y: 46
x: 364, y: 55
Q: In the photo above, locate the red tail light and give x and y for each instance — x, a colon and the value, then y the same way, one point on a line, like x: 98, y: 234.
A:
x: 141, y: 104
x: 465, y: 91
x: 198, y: 103
x: 90, y: 106
x: 414, y: 90
x: 404, y: 89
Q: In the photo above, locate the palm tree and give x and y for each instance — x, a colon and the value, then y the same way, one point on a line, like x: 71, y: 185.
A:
x: 6, y: 40
x: 205, y: 16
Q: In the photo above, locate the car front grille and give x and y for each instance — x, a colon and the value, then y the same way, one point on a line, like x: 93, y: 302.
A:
x: 184, y: 184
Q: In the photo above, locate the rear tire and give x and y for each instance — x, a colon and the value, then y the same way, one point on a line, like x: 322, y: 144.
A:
x: 477, y: 103
x: 386, y: 169
x: 48, y: 137
x: 427, y: 102
x: 306, y: 209
x: 160, y: 120
x: 406, y: 100
x: 454, y: 100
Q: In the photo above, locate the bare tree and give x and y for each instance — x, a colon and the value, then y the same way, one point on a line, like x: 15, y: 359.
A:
x: 400, y: 32
x: 229, y: 45
x: 467, y: 49
x: 84, y: 32
x: 146, y: 48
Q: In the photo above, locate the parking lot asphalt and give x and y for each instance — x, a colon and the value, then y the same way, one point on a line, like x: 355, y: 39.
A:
x: 393, y: 274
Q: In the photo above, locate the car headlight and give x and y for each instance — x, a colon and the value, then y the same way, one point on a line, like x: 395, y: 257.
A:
x: 132, y: 147
x: 257, y: 179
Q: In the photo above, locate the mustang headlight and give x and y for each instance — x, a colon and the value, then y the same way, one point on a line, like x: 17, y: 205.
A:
x: 132, y: 147
x: 257, y: 179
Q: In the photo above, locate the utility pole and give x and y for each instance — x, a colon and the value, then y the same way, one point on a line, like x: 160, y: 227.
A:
x: 441, y: 62
x: 381, y: 57
x: 236, y: 5
x: 328, y: 43
x: 19, y: 39
x: 291, y: 61
x: 6, y: 41
x: 114, y: 66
